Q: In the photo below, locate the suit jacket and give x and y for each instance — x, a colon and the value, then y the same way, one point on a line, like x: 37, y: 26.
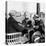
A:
x: 12, y: 26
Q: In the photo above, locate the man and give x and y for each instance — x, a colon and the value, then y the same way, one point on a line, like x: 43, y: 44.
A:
x: 13, y: 20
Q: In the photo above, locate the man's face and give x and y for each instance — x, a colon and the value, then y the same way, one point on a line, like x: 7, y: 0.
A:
x: 19, y: 17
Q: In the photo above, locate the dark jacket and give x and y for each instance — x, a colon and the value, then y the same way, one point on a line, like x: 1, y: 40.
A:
x: 12, y: 26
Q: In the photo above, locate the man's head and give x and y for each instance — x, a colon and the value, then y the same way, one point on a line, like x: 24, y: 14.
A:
x: 17, y: 16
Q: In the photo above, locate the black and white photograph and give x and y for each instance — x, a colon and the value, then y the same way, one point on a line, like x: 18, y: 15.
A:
x: 24, y: 22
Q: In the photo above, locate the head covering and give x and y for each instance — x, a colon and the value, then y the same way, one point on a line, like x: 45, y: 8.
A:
x: 12, y: 13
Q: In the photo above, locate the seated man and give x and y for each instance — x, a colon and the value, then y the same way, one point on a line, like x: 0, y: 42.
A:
x: 12, y: 22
